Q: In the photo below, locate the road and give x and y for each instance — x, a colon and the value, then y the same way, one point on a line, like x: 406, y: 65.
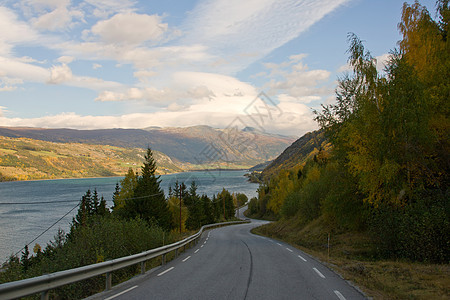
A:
x: 232, y: 263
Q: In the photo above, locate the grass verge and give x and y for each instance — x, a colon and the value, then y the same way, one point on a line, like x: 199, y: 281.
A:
x: 352, y: 256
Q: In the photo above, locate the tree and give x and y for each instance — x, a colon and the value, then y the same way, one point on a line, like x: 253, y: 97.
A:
x: 226, y: 200
x: 149, y: 202
x: 126, y: 190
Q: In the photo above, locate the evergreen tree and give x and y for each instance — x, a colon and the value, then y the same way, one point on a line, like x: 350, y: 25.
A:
x: 25, y: 260
x: 149, y: 202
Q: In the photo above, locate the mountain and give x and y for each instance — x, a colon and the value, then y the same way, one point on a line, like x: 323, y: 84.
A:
x: 188, y: 148
x: 299, y: 152
x: 26, y: 159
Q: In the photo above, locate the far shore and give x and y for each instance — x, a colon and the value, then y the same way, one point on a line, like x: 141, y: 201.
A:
x: 117, y: 176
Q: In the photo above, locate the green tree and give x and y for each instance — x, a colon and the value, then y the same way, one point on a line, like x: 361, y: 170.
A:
x: 149, y: 202
x: 226, y: 201
x: 126, y: 191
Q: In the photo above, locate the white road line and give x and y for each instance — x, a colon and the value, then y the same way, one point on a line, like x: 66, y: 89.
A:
x: 121, y: 293
x: 186, y: 258
x: 339, y: 295
x: 204, y: 242
x: 279, y: 244
x: 301, y: 257
x: 169, y: 269
x: 289, y: 250
x: 318, y: 272
x: 202, y: 246
x: 196, y: 250
x: 207, y: 238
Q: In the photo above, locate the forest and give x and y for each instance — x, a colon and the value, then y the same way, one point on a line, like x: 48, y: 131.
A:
x: 386, y: 173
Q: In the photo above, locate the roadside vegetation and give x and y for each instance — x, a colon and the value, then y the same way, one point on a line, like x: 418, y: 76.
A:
x: 142, y: 218
x: 380, y: 192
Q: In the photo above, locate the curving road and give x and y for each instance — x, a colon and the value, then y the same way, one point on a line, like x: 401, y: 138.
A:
x: 232, y: 263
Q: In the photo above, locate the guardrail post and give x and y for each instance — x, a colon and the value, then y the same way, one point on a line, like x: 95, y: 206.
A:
x: 108, y: 281
x: 176, y: 253
x: 143, y: 267
x: 163, y: 260
x: 44, y: 295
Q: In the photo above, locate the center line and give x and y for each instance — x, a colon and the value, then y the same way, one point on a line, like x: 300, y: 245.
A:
x: 301, y: 258
x: 196, y: 250
x: 123, y: 292
x: 279, y: 244
x: 202, y: 246
x: 339, y: 295
x: 162, y: 273
x: 289, y: 250
x: 318, y: 272
x: 186, y: 258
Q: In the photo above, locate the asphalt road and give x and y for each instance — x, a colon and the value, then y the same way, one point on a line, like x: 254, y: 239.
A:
x: 232, y: 263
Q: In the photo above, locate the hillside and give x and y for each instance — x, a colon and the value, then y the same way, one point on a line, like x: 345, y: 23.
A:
x: 299, y: 152
x: 27, y: 159
x: 199, y: 145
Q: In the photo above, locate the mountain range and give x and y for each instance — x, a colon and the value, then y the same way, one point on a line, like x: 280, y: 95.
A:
x: 181, y: 149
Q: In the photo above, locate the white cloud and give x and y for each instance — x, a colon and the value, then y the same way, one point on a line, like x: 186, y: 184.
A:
x: 60, y: 74
x: 96, y: 66
x: 130, y: 28
x: 232, y: 28
x: 294, y: 79
x: 15, y: 31
x: 65, y: 59
x: 15, y: 69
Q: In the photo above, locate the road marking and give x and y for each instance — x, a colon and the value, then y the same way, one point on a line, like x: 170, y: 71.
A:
x: 204, y: 242
x: 196, y: 250
x: 121, y: 293
x: 162, y: 273
x: 202, y: 246
x: 318, y: 272
x: 279, y: 244
x: 289, y: 250
x: 301, y: 258
x: 186, y: 258
x: 207, y: 238
x: 339, y: 295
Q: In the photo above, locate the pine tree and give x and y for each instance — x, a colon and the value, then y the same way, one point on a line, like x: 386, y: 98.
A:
x: 149, y: 202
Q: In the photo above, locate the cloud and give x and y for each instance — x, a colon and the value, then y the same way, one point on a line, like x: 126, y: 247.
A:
x: 60, y: 74
x: 66, y: 59
x: 130, y: 28
x: 16, y: 32
x: 220, y: 112
x: 96, y: 66
x: 294, y: 79
x: 233, y: 28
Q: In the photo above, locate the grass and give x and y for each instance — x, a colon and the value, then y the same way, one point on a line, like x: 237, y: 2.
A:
x: 352, y: 255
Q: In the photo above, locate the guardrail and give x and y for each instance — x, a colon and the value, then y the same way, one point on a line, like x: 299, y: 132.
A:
x: 44, y: 283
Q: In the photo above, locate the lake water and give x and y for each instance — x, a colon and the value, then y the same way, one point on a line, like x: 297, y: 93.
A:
x: 21, y: 221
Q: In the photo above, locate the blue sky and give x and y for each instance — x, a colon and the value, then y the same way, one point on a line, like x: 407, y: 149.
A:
x: 134, y: 64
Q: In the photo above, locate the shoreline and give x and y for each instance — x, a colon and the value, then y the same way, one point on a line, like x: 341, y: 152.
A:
x: 118, y: 176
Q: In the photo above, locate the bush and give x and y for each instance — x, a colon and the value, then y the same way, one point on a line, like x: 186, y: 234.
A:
x: 419, y: 231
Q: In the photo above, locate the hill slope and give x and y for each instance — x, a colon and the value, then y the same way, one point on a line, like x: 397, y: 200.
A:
x: 297, y: 153
x: 25, y: 159
x: 199, y: 145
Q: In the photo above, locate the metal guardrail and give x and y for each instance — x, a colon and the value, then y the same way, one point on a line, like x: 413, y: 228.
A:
x: 44, y: 283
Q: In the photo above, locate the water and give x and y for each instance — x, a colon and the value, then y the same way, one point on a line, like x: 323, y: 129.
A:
x: 21, y: 221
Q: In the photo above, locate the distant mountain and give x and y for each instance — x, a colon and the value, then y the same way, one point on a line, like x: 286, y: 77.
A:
x: 299, y: 152
x: 189, y: 147
x: 27, y: 159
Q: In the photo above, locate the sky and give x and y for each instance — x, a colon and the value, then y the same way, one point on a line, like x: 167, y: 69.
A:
x: 266, y: 64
